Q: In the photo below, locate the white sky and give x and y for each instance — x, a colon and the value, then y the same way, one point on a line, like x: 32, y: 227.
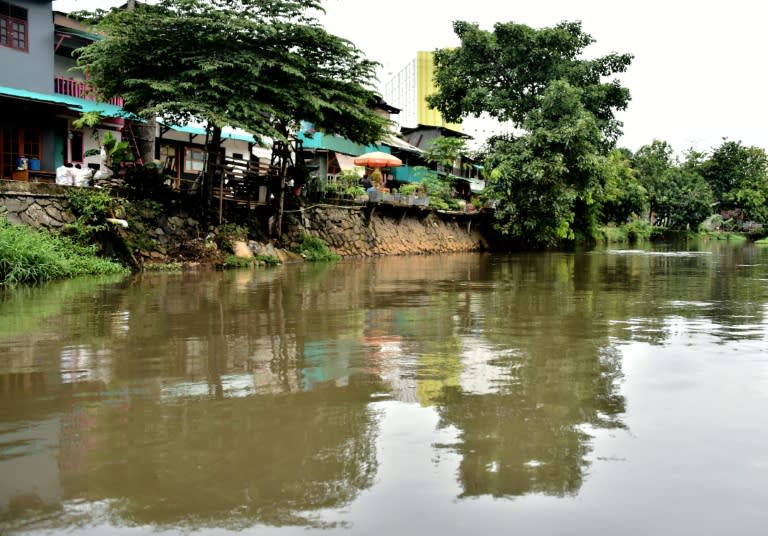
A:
x: 698, y: 75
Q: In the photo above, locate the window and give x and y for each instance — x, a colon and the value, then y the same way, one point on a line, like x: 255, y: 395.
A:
x: 194, y: 160
x: 15, y: 142
x: 13, y: 27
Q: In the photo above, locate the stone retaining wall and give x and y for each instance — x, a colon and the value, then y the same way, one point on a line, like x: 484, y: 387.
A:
x: 387, y: 230
x: 349, y: 231
x: 42, y: 206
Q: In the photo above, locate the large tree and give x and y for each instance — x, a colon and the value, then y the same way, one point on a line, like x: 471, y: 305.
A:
x: 678, y: 195
x: 546, y: 176
x: 262, y: 65
x: 738, y: 176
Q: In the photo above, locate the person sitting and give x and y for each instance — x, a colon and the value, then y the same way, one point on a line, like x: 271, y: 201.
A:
x: 65, y: 175
x: 367, y: 184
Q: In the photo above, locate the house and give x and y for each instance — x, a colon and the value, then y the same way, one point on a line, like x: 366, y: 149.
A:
x: 42, y: 96
x: 330, y: 155
x: 420, y: 124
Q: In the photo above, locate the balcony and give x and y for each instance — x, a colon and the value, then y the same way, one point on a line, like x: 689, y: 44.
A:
x: 79, y: 89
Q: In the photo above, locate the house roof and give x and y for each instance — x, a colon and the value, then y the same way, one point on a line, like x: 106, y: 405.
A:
x: 445, y: 131
x: 72, y: 103
x: 226, y: 132
x: 396, y: 143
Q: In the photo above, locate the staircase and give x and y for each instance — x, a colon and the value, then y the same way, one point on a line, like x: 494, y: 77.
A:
x: 129, y: 136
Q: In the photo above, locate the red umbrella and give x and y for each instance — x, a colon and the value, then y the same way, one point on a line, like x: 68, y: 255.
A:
x: 377, y: 159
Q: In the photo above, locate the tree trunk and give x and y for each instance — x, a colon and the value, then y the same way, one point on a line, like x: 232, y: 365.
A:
x: 213, y: 170
x: 145, y: 140
x: 285, y: 151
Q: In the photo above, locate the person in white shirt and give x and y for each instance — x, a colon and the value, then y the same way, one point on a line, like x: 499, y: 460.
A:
x: 65, y: 175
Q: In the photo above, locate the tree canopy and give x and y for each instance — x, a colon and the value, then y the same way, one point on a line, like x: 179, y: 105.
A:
x: 545, y: 177
x: 506, y: 73
x: 261, y: 65
x: 738, y: 176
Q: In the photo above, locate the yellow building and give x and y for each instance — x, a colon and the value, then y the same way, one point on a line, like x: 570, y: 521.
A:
x: 408, y: 90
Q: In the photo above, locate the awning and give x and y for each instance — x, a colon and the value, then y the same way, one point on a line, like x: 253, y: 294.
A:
x: 347, y: 163
x: 393, y: 141
x: 72, y: 103
x: 227, y: 133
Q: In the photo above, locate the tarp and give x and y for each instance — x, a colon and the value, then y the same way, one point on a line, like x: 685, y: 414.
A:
x: 347, y: 163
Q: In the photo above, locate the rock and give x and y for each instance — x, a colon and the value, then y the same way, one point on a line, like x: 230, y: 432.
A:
x: 242, y: 250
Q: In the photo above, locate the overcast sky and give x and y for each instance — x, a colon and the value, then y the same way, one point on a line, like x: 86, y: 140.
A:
x: 698, y: 75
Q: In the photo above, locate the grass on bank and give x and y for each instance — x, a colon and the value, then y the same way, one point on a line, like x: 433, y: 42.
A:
x: 314, y: 249
x: 30, y: 256
x: 628, y: 233
x: 233, y: 261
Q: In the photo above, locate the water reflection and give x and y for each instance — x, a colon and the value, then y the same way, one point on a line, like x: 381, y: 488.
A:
x: 255, y: 398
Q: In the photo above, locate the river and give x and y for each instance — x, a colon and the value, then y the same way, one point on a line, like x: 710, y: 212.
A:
x: 603, y: 392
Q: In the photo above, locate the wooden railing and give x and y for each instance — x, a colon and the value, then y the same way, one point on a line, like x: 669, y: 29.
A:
x: 79, y: 89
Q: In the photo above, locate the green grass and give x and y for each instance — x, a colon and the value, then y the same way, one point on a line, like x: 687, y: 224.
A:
x: 314, y: 249
x: 233, y: 261
x: 29, y: 256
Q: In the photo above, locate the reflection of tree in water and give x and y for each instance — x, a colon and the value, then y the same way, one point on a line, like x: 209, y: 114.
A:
x: 234, y: 462
x: 557, y: 376
x: 529, y: 436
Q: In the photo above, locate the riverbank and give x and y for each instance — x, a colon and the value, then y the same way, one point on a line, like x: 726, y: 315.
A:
x: 170, y: 233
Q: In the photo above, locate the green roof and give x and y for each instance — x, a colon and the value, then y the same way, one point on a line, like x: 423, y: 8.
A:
x: 108, y: 110
x: 226, y: 133
x: 73, y: 103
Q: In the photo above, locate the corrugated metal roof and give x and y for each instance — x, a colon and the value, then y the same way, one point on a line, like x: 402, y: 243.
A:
x: 394, y: 141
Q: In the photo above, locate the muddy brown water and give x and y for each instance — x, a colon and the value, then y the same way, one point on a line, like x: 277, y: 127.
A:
x: 614, y: 391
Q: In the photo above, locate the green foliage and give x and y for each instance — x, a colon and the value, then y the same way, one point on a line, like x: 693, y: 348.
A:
x: 628, y: 233
x: 90, y: 206
x: 445, y: 151
x: 29, y: 256
x: 355, y: 191
x: 738, y: 177
x: 314, y: 249
x: 679, y: 197
x: 730, y: 165
x: 229, y: 233
x: 547, y: 180
x: 438, y: 188
x: 623, y: 197
x: 506, y: 72
x: 115, y: 151
x: 267, y: 260
x: 409, y: 189
x: 162, y: 267
x: 261, y: 66
x: 235, y: 262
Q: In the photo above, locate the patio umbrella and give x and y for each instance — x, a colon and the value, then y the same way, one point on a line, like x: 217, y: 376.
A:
x: 377, y: 159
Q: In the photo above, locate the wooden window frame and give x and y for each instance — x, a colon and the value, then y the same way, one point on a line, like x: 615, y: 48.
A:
x: 187, y: 152
x: 14, y: 31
